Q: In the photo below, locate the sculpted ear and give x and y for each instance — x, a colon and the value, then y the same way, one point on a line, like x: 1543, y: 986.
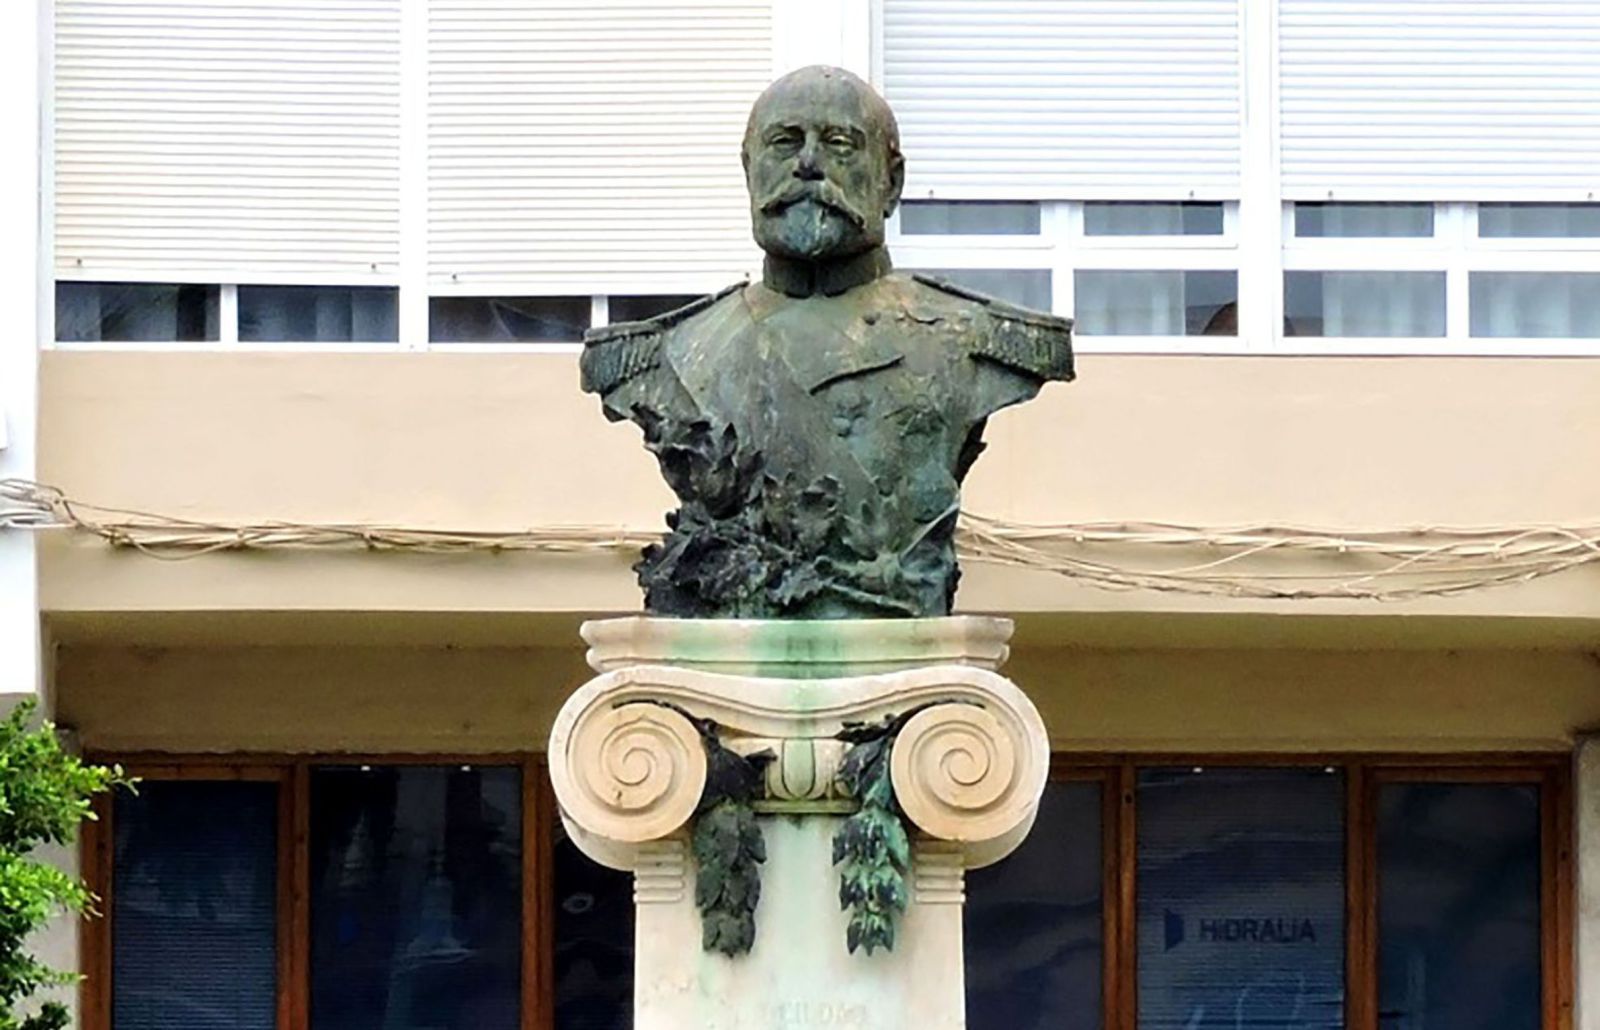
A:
x: 897, y: 183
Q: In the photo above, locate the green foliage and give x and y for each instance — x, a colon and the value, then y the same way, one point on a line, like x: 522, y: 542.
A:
x: 728, y: 851
x: 44, y: 796
x: 872, y: 845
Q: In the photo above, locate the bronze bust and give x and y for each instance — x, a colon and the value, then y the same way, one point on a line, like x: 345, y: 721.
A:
x: 816, y: 426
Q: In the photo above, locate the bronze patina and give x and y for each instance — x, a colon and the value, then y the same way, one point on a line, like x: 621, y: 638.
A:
x: 816, y: 425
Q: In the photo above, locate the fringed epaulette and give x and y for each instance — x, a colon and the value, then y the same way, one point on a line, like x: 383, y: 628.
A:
x: 1028, y: 341
x: 616, y: 353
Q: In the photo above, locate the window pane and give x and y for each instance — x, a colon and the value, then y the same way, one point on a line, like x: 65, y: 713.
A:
x: 636, y: 309
x: 1363, y: 303
x: 1157, y: 303
x: 1539, y: 220
x: 137, y: 312
x: 1142, y: 218
x: 1026, y: 287
x: 1550, y: 305
x: 194, y: 907
x: 318, y: 314
x: 1033, y: 923
x: 593, y: 942
x: 969, y: 218
x: 1364, y: 220
x: 1241, y: 899
x: 1458, y: 906
x: 507, y: 319
x: 416, y: 888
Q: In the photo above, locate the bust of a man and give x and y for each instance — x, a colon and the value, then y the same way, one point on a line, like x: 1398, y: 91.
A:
x: 816, y: 425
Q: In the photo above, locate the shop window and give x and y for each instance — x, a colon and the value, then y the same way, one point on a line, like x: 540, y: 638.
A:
x: 1458, y: 906
x: 136, y: 312
x: 194, y: 917
x: 318, y: 314
x: 507, y: 319
x: 1035, y: 922
x: 1152, y: 218
x: 593, y: 932
x: 1025, y: 287
x: 1368, y: 221
x: 969, y: 218
x: 416, y: 887
x: 1364, y: 304
x: 1157, y: 303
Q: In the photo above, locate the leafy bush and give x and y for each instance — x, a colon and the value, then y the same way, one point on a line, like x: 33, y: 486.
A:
x: 44, y: 796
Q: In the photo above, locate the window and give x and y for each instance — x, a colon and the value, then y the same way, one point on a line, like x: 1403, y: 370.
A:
x: 649, y: 305
x: 507, y: 319
x: 1143, y: 218
x: 1157, y: 303
x: 969, y: 218
x: 1536, y: 305
x: 318, y: 314
x: 1363, y: 221
x: 135, y: 312
x: 1353, y: 304
x: 1027, y: 287
x: 1538, y: 221
x: 1157, y: 894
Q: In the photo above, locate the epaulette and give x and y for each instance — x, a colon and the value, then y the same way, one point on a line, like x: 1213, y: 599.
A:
x: 615, y: 353
x: 1029, y: 341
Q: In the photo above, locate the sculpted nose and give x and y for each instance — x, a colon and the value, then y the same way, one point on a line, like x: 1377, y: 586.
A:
x: 806, y: 167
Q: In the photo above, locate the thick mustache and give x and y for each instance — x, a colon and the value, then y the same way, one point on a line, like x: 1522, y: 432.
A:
x: 820, y: 192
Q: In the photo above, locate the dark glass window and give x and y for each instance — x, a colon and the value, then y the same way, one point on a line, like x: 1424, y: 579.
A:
x: 194, y: 907
x: 416, y: 888
x: 1152, y: 218
x: 507, y: 319
x: 593, y: 942
x: 1363, y: 220
x: 1034, y: 922
x: 1363, y: 304
x: 1160, y: 303
x: 1538, y: 221
x: 1027, y: 287
x: 318, y: 314
x: 1458, y: 906
x: 136, y: 312
x: 647, y: 305
x: 969, y: 218
x: 1241, y: 899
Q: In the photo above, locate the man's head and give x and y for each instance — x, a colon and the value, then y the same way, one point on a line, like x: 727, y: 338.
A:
x: 822, y: 162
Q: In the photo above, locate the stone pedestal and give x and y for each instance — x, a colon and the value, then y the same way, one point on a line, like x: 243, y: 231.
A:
x: 629, y: 767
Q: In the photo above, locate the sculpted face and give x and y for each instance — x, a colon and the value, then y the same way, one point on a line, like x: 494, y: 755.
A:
x: 823, y: 166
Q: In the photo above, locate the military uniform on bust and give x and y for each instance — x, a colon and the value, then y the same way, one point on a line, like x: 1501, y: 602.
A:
x: 817, y: 425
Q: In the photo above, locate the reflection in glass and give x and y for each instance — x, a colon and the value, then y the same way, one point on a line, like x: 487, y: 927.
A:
x: 194, y: 907
x: 1151, y: 218
x: 1458, y: 906
x: 1034, y: 922
x: 593, y: 941
x: 647, y: 305
x: 318, y: 314
x: 1241, y: 899
x: 1539, y: 221
x: 507, y: 319
x: 969, y: 218
x: 1363, y: 304
x: 1139, y: 303
x: 1363, y: 220
x: 416, y: 887
x: 1027, y: 287
x: 135, y: 312
x: 1535, y: 305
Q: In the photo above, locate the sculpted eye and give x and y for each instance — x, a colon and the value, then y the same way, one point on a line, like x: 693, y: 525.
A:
x: 783, y: 139
x: 841, y: 142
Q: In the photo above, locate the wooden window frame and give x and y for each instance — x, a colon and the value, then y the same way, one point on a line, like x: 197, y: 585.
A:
x: 1116, y: 773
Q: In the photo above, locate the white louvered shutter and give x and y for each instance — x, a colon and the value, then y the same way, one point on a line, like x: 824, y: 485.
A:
x: 1440, y: 99
x: 1065, y: 99
x: 591, y: 146
x: 227, y: 140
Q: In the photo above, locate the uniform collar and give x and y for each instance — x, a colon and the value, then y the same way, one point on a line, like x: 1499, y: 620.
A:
x: 807, y: 279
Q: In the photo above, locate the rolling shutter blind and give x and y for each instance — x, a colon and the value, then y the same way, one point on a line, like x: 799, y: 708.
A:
x: 1065, y: 99
x: 591, y: 145
x: 227, y: 140
x: 1440, y: 100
